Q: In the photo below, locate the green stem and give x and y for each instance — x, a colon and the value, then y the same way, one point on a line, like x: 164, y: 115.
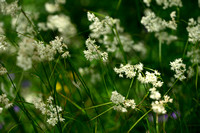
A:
x: 120, y: 44
x: 196, y: 82
x: 139, y: 120
x: 160, y: 52
x: 98, y: 105
x: 171, y: 87
x: 185, y: 48
x: 118, y: 4
x: 129, y: 88
x: 157, y: 127
x: 76, y: 105
x: 54, y: 98
x: 101, y: 113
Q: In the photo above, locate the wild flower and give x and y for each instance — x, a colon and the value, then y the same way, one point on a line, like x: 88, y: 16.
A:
x: 31, y: 50
x: 158, y: 106
x: 179, y: 68
x: 26, y: 49
x: 194, y: 55
x: 147, y: 2
x: 169, y: 3
x: 2, y: 70
x: 63, y: 24
x: 51, y: 8
x: 121, y: 104
x: 93, y: 51
x: 154, y: 23
x: 53, y: 112
x: 9, y: 8
x: 117, y: 98
x: 4, y: 102
x: 129, y: 70
x: 3, y: 43
x: 22, y: 25
x: 155, y: 94
x: 193, y: 31
x: 105, y: 31
x: 151, y: 78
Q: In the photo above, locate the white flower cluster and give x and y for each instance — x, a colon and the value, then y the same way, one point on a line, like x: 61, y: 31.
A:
x: 93, y: 51
x: 154, y: 94
x: 193, y: 31
x: 24, y: 57
x: 179, y: 68
x: 120, y: 103
x: 165, y: 37
x: 53, y: 113
x: 59, y: 22
x: 3, y: 43
x: 158, y: 106
x: 62, y: 23
x: 102, y: 27
x: 199, y: 3
x: 165, y: 3
x: 30, y: 50
x: 22, y: 25
x: 154, y: 23
x: 191, y: 71
x: 147, y: 2
x: 4, y: 102
x: 9, y: 8
x: 169, y: 3
x: 129, y: 70
x: 150, y: 77
x: 51, y: 8
x: 103, y: 30
x: 194, y: 55
x: 2, y: 70
x: 139, y: 47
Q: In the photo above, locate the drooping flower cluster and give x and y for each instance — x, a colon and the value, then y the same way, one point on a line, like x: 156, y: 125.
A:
x: 121, y: 104
x: 109, y: 32
x: 3, y: 43
x: 194, y: 55
x: 9, y: 8
x: 59, y: 22
x: 2, y: 70
x: 51, y: 8
x: 154, y: 23
x: 147, y: 2
x: 158, y: 106
x: 52, y: 112
x: 129, y: 70
x: 31, y: 50
x: 149, y: 78
x: 193, y: 31
x: 179, y: 68
x: 22, y: 25
x: 165, y: 3
x: 169, y: 3
x: 93, y: 51
x: 4, y: 102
